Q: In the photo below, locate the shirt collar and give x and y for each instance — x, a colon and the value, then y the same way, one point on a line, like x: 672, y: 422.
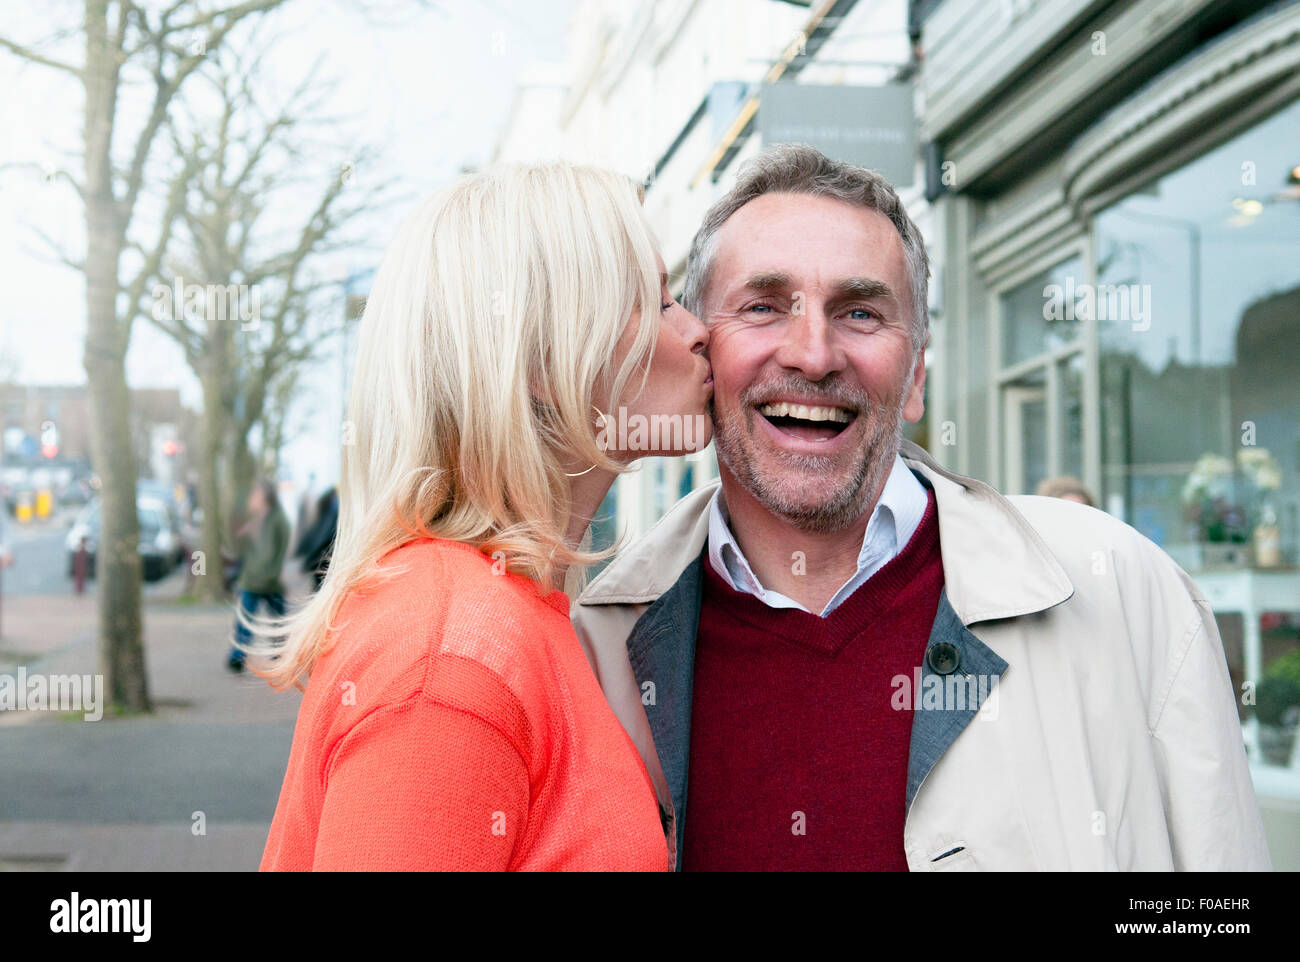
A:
x: 893, y: 521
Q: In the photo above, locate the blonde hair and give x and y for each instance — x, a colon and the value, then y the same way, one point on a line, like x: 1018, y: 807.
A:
x: 493, y: 320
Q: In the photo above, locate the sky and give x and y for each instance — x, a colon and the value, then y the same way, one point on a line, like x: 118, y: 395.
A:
x: 430, y: 84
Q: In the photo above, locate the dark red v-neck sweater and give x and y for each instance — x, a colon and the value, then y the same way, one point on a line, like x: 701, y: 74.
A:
x: 798, y: 762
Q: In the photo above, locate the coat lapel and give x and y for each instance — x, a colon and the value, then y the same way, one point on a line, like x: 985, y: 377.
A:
x: 661, y: 650
x: 955, y: 663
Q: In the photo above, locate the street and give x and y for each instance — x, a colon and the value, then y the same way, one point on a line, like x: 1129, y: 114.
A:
x: 40, y: 565
x: 191, y: 788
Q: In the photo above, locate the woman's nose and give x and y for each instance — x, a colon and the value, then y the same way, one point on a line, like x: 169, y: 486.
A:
x: 693, y: 331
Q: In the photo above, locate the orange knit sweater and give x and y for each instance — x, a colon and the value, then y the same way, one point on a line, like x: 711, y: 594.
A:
x: 455, y: 724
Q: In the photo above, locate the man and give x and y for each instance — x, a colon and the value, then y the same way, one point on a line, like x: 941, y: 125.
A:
x: 1066, y: 488
x: 265, y: 537
x: 844, y: 658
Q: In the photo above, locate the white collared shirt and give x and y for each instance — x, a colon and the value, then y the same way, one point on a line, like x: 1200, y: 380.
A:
x: 893, y: 521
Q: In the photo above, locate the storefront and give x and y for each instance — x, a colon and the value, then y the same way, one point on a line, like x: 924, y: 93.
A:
x: 1118, y: 189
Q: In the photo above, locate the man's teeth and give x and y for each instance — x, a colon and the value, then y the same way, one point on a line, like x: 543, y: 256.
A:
x: 804, y: 413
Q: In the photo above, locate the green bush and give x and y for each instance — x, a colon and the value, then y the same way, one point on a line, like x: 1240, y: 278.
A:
x: 1274, y: 697
x: 1288, y: 666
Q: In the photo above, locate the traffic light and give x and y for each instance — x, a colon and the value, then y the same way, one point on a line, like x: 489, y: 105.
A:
x: 49, y: 441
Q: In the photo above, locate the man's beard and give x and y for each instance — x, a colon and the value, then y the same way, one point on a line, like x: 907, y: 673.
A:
x: 790, y: 498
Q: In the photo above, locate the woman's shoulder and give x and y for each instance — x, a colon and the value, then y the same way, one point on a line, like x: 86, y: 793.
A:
x: 447, y: 621
x: 467, y: 600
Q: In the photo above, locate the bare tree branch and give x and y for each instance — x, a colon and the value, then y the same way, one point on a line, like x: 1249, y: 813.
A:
x: 165, y: 87
x: 237, y: 12
x: 33, y: 57
x: 56, y: 249
x: 60, y: 173
x: 175, y: 204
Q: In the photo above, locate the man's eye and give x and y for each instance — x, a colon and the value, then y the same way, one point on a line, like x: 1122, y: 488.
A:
x: 862, y: 314
x: 761, y: 307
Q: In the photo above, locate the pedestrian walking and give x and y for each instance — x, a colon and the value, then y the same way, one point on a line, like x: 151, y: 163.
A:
x: 265, y: 544
x: 318, y: 539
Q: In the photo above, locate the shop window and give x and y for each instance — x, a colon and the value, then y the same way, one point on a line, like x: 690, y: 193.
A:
x: 1040, y: 315
x: 1200, y: 404
x: 1200, y: 398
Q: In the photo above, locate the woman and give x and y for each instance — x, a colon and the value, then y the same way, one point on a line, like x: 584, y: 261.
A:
x: 451, y: 720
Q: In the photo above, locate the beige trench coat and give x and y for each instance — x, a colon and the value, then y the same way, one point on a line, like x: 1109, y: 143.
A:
x: 1108, y: 740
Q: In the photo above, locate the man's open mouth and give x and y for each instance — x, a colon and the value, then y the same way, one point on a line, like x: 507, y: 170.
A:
x: 808, y: 422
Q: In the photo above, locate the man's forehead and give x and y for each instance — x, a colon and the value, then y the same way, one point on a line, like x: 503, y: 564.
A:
x: 777, y: 208
x: 781, y: 238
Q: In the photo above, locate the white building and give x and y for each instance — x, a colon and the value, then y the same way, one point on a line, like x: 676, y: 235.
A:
x: 1141, y: 158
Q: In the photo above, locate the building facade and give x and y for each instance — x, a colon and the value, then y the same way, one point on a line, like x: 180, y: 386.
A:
x: 1116, y: 186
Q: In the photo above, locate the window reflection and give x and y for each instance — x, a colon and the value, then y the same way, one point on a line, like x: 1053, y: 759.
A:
x: 1031, y: 324
x: 1200, y: 398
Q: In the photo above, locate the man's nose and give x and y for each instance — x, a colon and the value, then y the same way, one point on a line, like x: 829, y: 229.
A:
x: 809, y: 346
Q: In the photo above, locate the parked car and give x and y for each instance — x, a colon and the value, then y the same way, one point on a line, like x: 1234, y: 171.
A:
x: 160, y: 539
x: 78, y: 491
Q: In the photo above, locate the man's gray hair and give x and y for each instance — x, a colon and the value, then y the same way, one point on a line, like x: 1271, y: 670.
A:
x: 801, y: 169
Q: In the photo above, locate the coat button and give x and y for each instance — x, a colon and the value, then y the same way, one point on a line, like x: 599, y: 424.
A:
x: 943, y: 658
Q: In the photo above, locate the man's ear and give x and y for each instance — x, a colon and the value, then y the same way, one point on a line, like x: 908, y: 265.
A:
x: 914, y: 405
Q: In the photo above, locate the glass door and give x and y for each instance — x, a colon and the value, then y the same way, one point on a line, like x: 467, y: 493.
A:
x: 1024, y: 416
x: 1042, y: 317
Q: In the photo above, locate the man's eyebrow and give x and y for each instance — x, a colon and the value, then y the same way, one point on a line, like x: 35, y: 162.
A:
x: 863, y: 287
x: 767, y: 281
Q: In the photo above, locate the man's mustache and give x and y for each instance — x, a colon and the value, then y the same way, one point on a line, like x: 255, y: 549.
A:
x: 829, y: 392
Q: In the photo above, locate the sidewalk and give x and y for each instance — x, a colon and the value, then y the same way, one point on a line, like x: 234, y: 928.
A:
x: 126, y: 794
x: 37, y: 627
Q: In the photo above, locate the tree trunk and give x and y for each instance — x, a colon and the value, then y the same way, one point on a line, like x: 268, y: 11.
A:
x: 243, y: 472
x: 272, y: 442
x: 243, y: 464
x: 121, y: 648
x: 117, y: 564
x: 210, y: 582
